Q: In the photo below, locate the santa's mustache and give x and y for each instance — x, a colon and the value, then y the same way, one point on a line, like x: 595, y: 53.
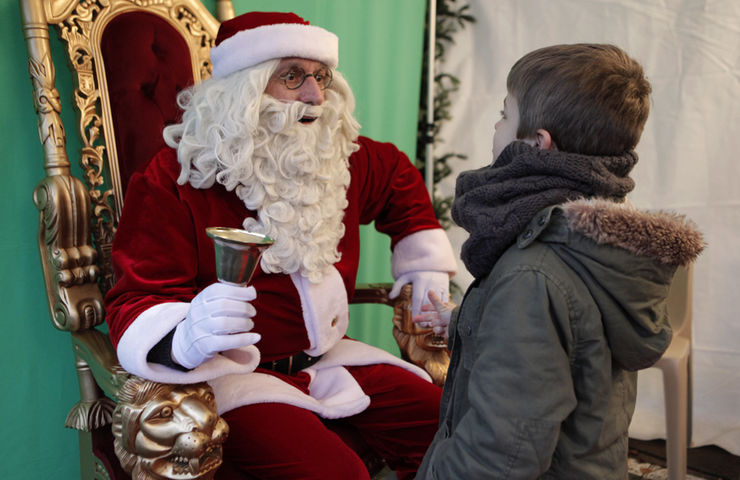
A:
x: 279, y: 116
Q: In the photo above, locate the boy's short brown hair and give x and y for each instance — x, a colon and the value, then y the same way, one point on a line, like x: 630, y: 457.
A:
x: 591, y: 98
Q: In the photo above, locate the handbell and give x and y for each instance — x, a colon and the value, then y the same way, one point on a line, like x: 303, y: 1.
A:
x: 237, y: 253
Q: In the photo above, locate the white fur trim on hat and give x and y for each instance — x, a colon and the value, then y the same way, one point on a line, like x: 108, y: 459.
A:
x: 250, y: 47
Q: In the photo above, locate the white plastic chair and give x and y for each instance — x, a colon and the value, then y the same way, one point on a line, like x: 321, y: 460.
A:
x: 675, y: 365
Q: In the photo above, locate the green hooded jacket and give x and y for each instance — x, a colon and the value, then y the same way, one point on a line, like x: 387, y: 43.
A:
x: 545, y: 348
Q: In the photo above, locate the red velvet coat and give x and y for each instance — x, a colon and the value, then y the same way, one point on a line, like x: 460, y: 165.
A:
x: 162, y: 254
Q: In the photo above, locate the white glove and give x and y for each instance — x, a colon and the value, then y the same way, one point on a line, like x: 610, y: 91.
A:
x: 435, y: 315
x: 218, y: 320
x: 423, y: 282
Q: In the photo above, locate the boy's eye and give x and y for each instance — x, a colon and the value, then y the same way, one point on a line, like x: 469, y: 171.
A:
x: 503, y: 114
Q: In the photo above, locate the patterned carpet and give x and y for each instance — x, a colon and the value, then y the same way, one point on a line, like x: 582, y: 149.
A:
x: 639, y: 470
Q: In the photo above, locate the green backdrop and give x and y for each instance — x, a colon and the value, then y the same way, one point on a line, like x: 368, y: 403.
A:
x: 380, y: 54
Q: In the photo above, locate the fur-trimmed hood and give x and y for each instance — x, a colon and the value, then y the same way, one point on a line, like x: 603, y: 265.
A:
x: 668, y: 237
x: 626, y: 258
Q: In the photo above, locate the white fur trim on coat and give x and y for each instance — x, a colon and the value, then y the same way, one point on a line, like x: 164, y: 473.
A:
x: 334, y: 393
x: 325, y: 309
x: 151, y: 326
x: 250, y: 47
x: 425, y: 250
x: 340, y: 397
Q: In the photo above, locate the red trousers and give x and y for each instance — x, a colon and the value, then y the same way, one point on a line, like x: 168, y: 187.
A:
x: 279, y: 441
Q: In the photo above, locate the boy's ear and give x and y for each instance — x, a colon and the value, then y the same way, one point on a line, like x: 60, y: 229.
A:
x: 543, y: 140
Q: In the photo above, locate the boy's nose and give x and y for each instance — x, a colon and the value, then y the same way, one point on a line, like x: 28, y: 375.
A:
x: 310, y: 92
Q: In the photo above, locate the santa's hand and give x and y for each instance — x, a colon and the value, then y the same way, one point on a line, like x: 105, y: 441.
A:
x: 218, y: 320
x: 423, y: 282
x: 435, y: 315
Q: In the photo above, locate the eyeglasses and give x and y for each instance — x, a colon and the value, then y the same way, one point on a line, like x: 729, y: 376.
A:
x: 294, y: 78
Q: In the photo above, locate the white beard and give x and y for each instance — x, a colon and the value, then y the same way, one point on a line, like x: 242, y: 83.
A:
x: 296, y: 180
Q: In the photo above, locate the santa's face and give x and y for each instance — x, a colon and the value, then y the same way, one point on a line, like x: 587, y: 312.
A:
x: 310, y: 92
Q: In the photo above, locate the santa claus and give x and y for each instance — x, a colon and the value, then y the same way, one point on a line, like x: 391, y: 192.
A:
x: 269, y: 144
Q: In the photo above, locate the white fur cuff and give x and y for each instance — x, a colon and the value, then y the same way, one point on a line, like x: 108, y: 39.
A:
x: 426, y: 250
x: 156, y: 322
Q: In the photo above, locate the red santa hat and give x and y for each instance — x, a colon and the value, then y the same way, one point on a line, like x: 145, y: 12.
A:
x: 255, y: 37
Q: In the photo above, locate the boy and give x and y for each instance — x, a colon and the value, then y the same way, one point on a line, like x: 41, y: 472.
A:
x: 570, y: 282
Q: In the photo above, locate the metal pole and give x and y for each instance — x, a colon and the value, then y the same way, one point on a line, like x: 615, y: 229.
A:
x: 429, y: 166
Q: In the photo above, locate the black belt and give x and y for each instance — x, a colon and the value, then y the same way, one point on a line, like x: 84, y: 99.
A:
x: 292, y: 364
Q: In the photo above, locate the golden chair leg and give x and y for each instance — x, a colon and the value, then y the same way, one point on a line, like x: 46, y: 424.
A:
x: 94, y: 410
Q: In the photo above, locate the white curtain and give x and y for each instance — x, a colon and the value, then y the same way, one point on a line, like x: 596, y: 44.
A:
x: 689, y: 162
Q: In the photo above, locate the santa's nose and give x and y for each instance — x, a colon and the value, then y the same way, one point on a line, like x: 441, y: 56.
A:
x: 310, y: 92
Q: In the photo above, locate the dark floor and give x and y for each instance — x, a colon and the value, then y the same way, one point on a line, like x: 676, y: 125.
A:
x: 710, y: 462
x: 707, y: 463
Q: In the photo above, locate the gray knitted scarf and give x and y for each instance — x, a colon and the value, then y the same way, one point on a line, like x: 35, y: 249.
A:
x: 496, y: 202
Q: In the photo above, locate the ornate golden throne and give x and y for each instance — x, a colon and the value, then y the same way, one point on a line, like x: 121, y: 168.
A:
x: 128, y: 59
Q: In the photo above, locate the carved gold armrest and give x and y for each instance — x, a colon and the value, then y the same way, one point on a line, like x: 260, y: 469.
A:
x: 159, y: 430
x: 419, y: 346
x: 168, y: 431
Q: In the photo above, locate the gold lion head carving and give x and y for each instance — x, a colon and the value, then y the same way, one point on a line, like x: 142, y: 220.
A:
x: 168, y: 431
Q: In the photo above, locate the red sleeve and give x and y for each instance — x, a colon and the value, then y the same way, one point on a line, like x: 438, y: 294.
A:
x: 155, y: 256
x: 390, y: 190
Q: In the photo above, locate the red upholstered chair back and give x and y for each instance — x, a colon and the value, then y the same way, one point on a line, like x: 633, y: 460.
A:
x: 130, y: 59
x: 147, y: 62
